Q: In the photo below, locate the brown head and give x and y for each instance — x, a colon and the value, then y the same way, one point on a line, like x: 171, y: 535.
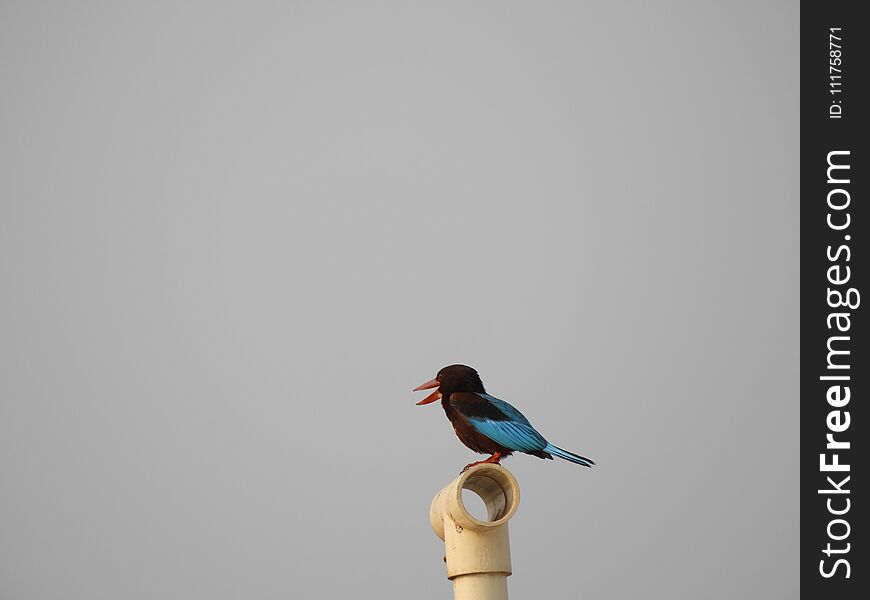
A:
x: 455, y: 378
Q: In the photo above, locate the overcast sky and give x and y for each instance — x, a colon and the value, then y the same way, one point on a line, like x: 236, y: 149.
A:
x: 233, y: 238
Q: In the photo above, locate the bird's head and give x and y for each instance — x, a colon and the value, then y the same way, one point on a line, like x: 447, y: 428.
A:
x: 455, y: 378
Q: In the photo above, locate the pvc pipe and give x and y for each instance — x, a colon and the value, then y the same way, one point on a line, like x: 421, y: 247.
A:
x: 477, y: 552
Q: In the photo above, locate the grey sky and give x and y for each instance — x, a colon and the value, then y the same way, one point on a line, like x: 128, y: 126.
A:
x: 233, y: 238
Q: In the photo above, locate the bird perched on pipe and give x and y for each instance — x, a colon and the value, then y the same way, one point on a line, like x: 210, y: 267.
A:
x: 486, y: 424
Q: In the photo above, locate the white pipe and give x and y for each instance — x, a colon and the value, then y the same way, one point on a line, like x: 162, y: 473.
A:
x: 477, y: 552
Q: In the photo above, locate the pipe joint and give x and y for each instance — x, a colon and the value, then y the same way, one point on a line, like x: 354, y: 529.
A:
x: 473, y: 546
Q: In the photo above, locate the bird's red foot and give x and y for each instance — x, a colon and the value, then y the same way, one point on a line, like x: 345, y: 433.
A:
x: 491, y: 460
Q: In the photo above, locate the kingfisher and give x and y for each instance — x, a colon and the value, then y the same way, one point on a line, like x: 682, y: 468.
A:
x: 486, y: 424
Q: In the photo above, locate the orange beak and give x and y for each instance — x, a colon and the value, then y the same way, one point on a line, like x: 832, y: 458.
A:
x: 432, y: 383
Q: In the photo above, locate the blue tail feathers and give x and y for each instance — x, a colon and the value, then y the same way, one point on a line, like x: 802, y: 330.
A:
x: 569, y: 456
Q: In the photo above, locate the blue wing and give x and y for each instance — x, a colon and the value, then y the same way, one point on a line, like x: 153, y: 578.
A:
x: 515, y: 433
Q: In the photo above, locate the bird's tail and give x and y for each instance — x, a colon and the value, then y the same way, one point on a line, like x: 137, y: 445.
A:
x: 570, y: 456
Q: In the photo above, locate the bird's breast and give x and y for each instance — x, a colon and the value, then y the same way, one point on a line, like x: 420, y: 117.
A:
x: 469, y: 436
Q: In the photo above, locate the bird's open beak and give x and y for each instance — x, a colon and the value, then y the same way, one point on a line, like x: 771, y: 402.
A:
x: 433, y: 383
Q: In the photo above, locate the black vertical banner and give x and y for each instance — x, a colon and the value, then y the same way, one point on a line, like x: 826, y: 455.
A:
x: 835, y: 371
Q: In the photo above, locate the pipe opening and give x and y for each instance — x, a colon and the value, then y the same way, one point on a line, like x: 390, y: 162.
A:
x: 474, y: 505
x: 496, y: 488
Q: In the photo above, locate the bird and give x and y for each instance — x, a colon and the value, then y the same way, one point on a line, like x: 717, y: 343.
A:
x: 486, y: 424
